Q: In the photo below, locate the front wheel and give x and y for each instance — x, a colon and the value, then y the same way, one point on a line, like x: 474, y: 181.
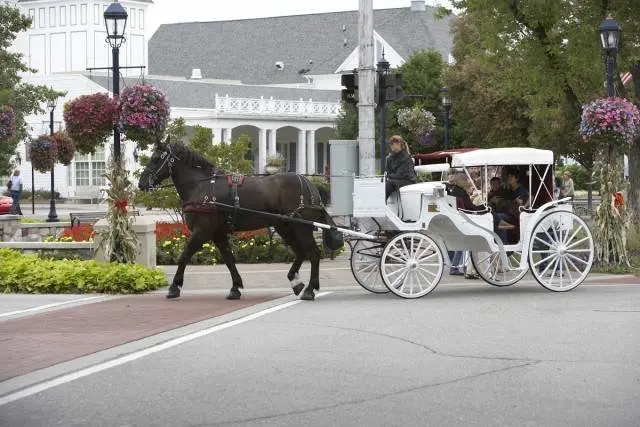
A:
x: 561, y: 251
x: 411, y: 265
x: 365, y: 265
x: 489, y: 267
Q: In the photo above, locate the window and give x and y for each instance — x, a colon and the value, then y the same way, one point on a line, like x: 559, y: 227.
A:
x: 72, y: 14
x: 82, y: 171
x: 52, y: 16
x: 63, y: 16
x: 96, y: 14
x: 132, y: 18
x: 32, y: 15
x: 41, y: 22
x: 83, y: 14
x: 141, y: 19
x: 98, y: 168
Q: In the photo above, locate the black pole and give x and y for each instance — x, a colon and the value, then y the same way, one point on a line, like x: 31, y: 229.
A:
x: 33, y: 192
x: 446, y: 126
x: 611, y: 66
x: 116, y: 93
x: 53, y: 216
x: 382, y: 94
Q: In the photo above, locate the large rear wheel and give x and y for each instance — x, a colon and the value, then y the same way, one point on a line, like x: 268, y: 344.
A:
x: 561, y: 251
x: 411, y: 265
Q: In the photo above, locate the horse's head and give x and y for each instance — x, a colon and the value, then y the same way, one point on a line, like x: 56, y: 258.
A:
x: 159, y: 167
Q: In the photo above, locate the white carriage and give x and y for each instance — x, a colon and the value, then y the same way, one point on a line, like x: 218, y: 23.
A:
x: 411, y: 234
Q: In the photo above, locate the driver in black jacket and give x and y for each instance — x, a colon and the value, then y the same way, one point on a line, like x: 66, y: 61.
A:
x: 399, y: 166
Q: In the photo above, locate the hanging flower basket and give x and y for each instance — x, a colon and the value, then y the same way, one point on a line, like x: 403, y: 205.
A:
x: 144, y: 113
x: 43, y: 153
x: 89, y: 120
x: 416, y: 120
x: 66, y: 149
x: 7, y: 122
x: 610, y: 121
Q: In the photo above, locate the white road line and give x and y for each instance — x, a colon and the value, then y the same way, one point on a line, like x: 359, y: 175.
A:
x: 46, y: 306
x: 302, y: 270
x: 46, y: 385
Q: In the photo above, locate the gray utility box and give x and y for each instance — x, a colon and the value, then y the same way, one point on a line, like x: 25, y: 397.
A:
x: 343, y: 156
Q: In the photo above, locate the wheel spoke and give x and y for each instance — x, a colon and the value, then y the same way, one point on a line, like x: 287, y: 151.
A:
x: 570, y: 255
x: 578, y: 242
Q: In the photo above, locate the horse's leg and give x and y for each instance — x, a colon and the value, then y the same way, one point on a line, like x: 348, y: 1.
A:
x: 312, y: 252
x: 221, y: 241
x: 195, y: 243
x: 289, y: 236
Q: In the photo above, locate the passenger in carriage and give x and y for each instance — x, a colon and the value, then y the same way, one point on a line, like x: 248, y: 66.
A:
x: 507, y: 210
x: 399, y: 166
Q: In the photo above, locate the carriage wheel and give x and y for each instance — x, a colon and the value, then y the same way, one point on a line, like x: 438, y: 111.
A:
x: 411, y: 265
x: 561, y: 251
x: 365, y: 265
x: 488, y: 266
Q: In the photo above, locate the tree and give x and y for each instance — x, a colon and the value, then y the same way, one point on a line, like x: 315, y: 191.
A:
x: 534, y: 63
x: 25, y: 99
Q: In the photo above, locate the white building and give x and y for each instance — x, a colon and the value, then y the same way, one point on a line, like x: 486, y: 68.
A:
x: 276, y: 80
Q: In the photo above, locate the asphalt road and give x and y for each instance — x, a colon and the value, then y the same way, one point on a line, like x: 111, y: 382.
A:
x: 466, y: 355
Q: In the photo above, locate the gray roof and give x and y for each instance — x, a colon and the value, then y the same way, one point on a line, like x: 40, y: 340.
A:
x: 248, y: 49
x: 201, y: 94
x: 140, y: 1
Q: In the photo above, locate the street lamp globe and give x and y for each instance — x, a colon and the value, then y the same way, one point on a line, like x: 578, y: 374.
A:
x: 115, y: 19
x: 610, y: 34
x: 51, y: 104
x: 446, y: 97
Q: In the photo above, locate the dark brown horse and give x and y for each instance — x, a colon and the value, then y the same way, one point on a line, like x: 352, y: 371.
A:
x: 216, y: 204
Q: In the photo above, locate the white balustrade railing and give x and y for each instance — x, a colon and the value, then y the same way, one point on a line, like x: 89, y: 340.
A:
x: 270, y: 106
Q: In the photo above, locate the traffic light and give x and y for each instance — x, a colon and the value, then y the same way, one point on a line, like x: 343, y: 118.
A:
x: 350, y: 83
x: 394, y: 89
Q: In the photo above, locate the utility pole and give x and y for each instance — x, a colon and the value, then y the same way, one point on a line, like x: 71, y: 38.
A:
x: 366, y: 83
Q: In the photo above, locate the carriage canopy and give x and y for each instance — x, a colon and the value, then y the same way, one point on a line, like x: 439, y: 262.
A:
x: 503, y: 156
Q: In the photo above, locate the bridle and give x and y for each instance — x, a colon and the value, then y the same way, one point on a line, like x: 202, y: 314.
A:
x: 169, y: 158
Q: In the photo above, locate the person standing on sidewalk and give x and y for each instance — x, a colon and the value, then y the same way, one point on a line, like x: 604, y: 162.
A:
x: 15, y: 189
x: 567, y: 190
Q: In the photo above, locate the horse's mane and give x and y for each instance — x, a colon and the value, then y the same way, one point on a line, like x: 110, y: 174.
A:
x: 194, y: 159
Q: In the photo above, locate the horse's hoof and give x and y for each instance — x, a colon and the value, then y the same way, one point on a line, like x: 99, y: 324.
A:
x: 298, y: 288
x: 308, y: 295
x: 174, y: 292
x: 234, y: 294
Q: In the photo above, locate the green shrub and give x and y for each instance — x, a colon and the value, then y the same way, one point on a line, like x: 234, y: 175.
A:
x: 246, y: 251
x: 32, y: 274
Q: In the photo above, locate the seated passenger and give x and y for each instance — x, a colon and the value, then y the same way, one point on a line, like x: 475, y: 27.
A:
x: 399, y: 166
x: 495, y: 188
x: 507, y: 210
x: 459, y: 187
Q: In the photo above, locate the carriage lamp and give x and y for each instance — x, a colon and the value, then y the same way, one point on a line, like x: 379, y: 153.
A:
x: 446, y: 105
x: 610, y: 33
x: 53, y: 215
x: 115, y: 20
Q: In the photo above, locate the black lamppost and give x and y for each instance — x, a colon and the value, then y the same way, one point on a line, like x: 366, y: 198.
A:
x: 610, y: 39
x: 115, y: 19
x: 383, y: 67
x: 53, y: 216
x: 446, y: 105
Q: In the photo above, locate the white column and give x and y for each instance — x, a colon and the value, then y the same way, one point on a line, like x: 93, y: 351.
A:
x: 272, y: 150
x: 302, y: 151
x: 262, y: 150
x: 226, y: 135
x: 217, y: 135
x: 311, y: 152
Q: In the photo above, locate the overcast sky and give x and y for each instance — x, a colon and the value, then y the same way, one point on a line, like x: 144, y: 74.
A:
x: 169, y: 11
